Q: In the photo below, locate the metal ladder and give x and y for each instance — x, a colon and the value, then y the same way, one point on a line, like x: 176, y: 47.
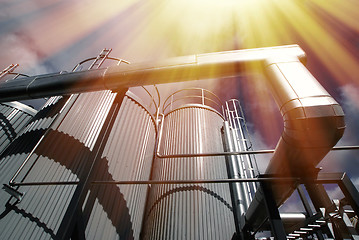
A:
x: 8, y: 70
x: 235, y: 116
x: 309, y: 229
x: 100, y: 58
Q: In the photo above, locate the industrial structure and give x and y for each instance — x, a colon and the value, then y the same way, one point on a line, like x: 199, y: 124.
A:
x: 98, y: 161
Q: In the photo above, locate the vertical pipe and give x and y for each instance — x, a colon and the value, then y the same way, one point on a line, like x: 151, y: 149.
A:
x: 241, y: 166
x: 244, y: 141
x: 239, y: 194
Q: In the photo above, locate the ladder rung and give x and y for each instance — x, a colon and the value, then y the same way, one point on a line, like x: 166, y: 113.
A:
x: 320, y: 221
x: 348, y: 211
x: 306, y: 229
x: 314, y: 225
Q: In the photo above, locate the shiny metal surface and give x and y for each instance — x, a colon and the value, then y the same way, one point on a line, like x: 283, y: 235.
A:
x: 201, y: 66
x: 84, y: 121
x: 60, y: 156
x: 111, y: 211
x: 237, y: 123
x: 239, y: 191
x: 196, y: 211
x: 313, y: 124
x: 13, y: 117
x: 22, y: 107
x: 116, y: 211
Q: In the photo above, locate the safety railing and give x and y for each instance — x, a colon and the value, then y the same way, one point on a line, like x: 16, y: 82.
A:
x: 199, y: 96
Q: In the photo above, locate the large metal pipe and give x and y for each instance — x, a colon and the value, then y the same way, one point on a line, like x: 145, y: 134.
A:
x: 313, y: 123
x: 313, y: 120
x: 201, y: 66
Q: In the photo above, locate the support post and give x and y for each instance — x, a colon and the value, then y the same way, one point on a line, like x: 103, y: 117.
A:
x: 350, y: 192
x: 276, y: 223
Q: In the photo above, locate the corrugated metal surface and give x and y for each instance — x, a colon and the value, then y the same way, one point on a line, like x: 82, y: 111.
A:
x: 200, y: 211
x: 116, y: 211
x: 29, y: 136
x: 13, y: 117
x: 60, y: 156
x: 84, y: 119
x: 20, y: 220
x: 46, y: 115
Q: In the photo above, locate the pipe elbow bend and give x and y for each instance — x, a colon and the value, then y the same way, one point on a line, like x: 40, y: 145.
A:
x: 313, y: 124
x: 313, y: 120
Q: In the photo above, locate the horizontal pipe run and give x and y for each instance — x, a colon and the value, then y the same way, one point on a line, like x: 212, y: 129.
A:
x: 155, y: 181
x: 255, y: 152
x: 185, y: 155
x: 323, y: 178
x: 12, y: 183
x: 193, y: 181
x: 186, y: 68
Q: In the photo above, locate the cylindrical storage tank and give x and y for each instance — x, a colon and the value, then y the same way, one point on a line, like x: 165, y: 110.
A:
x: 52, y: 163
x: 13, y: 117
x: 191, y: 211
x: 57, y: 144
x: 116, y: 211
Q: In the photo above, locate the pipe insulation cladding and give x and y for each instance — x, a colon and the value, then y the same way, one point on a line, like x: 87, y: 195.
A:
x: 313, y: 120
x: 186, y: 68
x: 313, y: 124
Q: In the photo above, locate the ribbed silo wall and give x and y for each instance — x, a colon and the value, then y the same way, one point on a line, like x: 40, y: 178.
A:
x: 71, y: 130
x: 116, y: 211
x: 57, y: 143
x: 13, y: 117
x: 192, y: 211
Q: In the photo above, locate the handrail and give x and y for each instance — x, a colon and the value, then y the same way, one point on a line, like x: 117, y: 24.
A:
x: 169, y: 100
x: 94, y: 58
x: 157, y: 106
x: 17, y: 75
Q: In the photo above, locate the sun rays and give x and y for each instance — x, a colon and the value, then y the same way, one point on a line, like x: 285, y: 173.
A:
x: 139, y: 30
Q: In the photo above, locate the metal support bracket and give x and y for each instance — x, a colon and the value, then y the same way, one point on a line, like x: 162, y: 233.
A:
x: 13, y: 192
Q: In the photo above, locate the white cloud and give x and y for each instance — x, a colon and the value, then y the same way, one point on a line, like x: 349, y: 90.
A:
x: 350, y: 94
x: 350, y: 103
x: 20, y: 50
x: 259, y: 144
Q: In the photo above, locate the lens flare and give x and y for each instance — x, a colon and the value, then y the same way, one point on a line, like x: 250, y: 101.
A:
x: 139, y: 30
